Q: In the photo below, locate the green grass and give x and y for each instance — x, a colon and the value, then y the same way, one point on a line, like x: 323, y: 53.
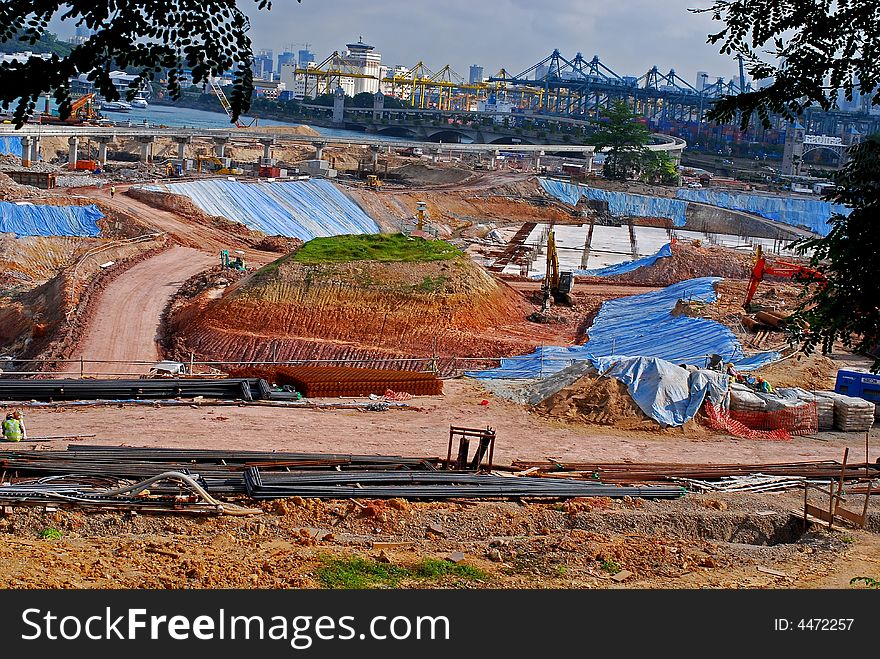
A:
x: 51, y: 534
x: 610, y: 566
x: 359, y: 573
x: 377, y: 247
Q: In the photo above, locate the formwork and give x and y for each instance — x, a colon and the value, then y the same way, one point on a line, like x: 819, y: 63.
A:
x: 333, y: 381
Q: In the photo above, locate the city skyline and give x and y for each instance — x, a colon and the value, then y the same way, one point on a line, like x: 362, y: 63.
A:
x: 509, y: 34
x: 629, y: 37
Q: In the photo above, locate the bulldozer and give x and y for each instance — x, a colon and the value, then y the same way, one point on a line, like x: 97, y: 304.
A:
x: 557, y: 284
x: 374, y: 182
x: 235, y: 262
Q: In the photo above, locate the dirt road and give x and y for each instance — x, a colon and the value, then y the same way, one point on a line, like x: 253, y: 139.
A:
x: 128, y: 314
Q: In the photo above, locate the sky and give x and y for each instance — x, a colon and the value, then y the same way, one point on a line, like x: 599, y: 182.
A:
x: 629, y: 36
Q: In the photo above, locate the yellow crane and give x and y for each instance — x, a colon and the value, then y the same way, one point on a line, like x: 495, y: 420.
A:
x: 331, y: 70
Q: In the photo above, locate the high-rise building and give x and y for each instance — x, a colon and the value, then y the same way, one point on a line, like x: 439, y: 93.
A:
x: 81, y: 35
x: 304, y: 57
x: 362, y: 59
x: 263, y: 65
x: 702, y: 80
x: 476, y: 74
x: 287, y: 57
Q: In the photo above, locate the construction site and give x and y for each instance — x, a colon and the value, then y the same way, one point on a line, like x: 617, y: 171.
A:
x: 263, y: 358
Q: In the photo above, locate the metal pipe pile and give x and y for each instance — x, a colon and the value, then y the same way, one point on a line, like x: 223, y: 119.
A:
x: 140, y: 389
x: 624, y: 473
x: 434, y: 485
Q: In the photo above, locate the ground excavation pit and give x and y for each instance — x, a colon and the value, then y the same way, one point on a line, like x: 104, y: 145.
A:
x: 701, y: 541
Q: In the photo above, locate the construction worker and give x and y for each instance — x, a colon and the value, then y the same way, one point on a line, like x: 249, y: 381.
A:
x: 112, y: 191
x: 18, y: 416
x: 12, y: 430
x: 763, y: 386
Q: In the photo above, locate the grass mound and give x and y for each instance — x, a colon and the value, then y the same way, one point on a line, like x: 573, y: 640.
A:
x: 374, y: 247
x: 360, y: 573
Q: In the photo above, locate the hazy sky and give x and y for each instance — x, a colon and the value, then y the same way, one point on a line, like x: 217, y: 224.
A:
x: 629, y: 36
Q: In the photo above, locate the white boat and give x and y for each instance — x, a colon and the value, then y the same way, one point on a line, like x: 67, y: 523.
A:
x: 140, y: 103
x: 116, y: 106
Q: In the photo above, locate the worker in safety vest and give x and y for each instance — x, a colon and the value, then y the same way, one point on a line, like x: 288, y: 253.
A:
x: 18, y: 416
x: 12, y: 429
x: 112, y: 191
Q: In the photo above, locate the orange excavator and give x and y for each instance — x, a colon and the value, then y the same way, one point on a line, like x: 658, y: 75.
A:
x: 793, y: 271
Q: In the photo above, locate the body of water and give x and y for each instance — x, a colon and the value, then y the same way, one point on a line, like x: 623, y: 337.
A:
x: 166, y: 115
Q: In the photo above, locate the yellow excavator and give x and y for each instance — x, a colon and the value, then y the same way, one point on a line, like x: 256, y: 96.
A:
x: 218, y: 164
x: 557, y: 284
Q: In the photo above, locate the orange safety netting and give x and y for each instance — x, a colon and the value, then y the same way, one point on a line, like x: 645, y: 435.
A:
x: 719, y: 419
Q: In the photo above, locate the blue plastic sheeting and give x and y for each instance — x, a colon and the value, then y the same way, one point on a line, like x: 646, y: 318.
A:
x: 643, y: 326
x: 297, y: 209
x: 619, y: 203
x: 25, y: 219
x: 10, y: 146
x: 667, y: 393
x: 628, y: 266
x: 810, y: 213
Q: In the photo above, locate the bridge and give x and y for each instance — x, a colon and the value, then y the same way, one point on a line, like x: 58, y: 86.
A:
x: 31, y: 134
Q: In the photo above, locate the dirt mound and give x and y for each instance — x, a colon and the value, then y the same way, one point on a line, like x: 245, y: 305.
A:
x: 9, y: 189
x: 813, y: 372
x: 278, y: 244
x: 599, y: 400
x: 355, y: 309
x: 690, y: 260
x: 421, y: 174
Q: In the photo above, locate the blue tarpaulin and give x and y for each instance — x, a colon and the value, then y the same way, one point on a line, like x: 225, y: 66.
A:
x: 664, y: 391
x: 810, y: 213
x: 619, y: 203
x: 628, y: 266
x: 297, y: 209
x: 10, y: 146
x: 642, y: 326
x: 26, y: 219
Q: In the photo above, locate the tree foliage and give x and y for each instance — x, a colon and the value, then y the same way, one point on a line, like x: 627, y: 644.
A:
x: 659, y: 167
x: 848, y: 308
x: 48, y: 43
x: 625, y: 139
x: 820, y: 47
x: 206, y: 37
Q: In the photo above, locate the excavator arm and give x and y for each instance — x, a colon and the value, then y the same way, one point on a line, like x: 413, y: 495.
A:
x: 793, y: 271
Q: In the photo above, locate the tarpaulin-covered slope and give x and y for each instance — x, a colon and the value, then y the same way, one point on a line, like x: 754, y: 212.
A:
x: 297, y: 209
x: 620, y: 203
x: 25, y: 219
x: 810, y: 213
x: 643, y: 326
x: 10, y: 146
x: 628, y: 266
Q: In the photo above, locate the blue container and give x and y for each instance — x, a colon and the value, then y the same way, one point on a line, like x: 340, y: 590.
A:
x: 859, y: 385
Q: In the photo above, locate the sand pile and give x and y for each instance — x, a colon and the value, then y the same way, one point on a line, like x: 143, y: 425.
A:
x: 599, y: 400
x: 814, y: 372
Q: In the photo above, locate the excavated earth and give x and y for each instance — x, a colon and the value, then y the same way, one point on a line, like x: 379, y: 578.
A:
x: 359, y: 309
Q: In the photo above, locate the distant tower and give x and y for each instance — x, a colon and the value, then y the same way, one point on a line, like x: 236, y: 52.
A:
x: 378, y: 105
x: 338, y: 105
x: 702, y: 80
x: 476, y: 74
x: 793, y: 152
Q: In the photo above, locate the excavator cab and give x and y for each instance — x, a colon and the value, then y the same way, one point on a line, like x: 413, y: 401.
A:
x: 235, y: 262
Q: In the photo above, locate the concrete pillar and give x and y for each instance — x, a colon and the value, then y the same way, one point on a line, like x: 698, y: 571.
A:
x: 338, y: 105
x: 73, y: 145
x: 435, y: 155
x: 220, y: 146
x: 493, y: 156
x: 588, y: 156
x: 374, y: 148
x: 319, y: 150
x: 267, y: 149
x: 181, y: 148
x: 146, y: 148
x: 35, y: 150
x: 25, y: 151
x: 538, y: 161
x: 102, y: 149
